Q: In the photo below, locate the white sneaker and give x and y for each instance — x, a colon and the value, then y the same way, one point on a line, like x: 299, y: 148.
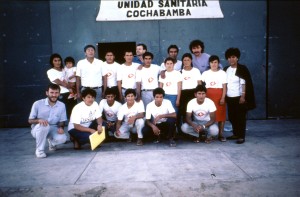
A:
x: 40, y: 154
x: 51, y: 147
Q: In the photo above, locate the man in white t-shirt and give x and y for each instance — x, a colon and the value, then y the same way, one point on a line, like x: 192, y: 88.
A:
x: 131, y: 118
x: 110, y: 68
x: 147, y: 79
x: 161, y: 117
x: 85, y: 119
x: 126, y: 75
x: 89, y: 73
x: 202, y: 110
x: 109, y: 108
x: 173, y: 52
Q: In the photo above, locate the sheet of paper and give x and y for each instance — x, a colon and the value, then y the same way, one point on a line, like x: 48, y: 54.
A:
x: 96, y: 139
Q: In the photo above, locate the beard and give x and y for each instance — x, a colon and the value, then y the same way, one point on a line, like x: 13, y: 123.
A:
x: 52, y: 99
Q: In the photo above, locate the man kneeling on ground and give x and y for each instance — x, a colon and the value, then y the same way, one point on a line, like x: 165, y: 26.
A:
x: 47, y: 119
x: 85, y: 120
x: 161, y: 117
x: 203, y: 110
x: 133, y: 114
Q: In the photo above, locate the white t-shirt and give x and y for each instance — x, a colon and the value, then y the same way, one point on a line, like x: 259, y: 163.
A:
x: 125, y: 112
x: 54, y: 74
x: 70, y: 72
x: 234, y: 83
x: 110, y: 112
x: 127, y: 74
x: 214, y: 79
x: 111, y: 71
x: 90, y: 73
x: 153, y: 110
x: 190, y: 78
x: 170, y: 82
x: 201, y: 112
x: 84, y: 115
x: 177, y: 65
x: 148, y: 76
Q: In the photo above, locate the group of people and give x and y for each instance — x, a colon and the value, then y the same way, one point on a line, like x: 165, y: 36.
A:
x: 179, y: 96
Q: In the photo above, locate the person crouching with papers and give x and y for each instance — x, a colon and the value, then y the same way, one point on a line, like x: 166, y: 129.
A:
x: 86, y: 119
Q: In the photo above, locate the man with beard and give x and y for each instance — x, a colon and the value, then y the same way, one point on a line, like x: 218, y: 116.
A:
x: 47, y: 119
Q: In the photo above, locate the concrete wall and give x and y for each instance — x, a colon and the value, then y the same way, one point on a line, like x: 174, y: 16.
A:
x: 25, y: 37
x: 283, y: 60
x: 243, y: 26
x: 30, y: 31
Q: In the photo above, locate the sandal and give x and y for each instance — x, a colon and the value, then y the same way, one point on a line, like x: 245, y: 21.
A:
x: 196, y: 140
x: 208, y: 140
x: 77, y: 146
x: 222, y: 138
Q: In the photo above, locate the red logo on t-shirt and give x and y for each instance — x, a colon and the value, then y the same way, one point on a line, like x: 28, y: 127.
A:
x: 187, y: 78
x: 201, y: 114
x: 109, y: 74
x: 109, y: 114
x: 130, y: 75
x: 168, y: 83
x: 213, y: 83
x: 150, y: 79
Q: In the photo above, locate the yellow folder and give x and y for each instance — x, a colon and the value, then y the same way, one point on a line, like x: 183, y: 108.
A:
x: 96, y: 139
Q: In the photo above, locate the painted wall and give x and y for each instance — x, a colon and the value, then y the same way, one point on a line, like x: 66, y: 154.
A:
x: 30, y: 31
x: 243, y: 26
x: 25, y: 39
x: 283, y: 65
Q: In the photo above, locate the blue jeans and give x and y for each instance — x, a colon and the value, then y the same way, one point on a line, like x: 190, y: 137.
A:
x: 83, y: 137
x: 173, y: 99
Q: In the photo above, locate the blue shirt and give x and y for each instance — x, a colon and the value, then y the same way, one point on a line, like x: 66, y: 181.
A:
x: 53, y: 114
x: 136, y: 59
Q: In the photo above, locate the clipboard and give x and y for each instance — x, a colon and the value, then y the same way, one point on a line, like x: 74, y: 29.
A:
x: 96, y: 139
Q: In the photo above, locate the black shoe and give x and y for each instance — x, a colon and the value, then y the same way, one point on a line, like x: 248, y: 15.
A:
x: 240, y: 141
x: 172, y: 143
x: 233, y: 137
x: 157, y: 140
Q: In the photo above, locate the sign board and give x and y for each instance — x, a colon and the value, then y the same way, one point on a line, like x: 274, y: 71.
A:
x: 131, y: 10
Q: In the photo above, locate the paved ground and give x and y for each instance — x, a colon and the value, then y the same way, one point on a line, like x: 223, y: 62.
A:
x: 268, y: 164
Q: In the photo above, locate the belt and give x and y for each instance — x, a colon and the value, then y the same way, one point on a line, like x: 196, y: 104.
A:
x: 147, y: 90
x: 128, y: 88
x: 93, y: 87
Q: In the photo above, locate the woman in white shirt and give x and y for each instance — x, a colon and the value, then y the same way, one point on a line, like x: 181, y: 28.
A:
x: 191, y: 77
x: 216, y: 84
x: 56, y: 75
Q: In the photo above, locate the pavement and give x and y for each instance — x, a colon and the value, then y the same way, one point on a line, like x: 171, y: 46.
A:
x: 267, y: 164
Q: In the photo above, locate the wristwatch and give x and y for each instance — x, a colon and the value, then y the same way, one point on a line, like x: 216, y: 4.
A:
x: 203, y: 126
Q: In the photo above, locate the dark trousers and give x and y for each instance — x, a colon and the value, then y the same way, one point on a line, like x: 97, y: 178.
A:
x: 83, y: 137
x: 69, y: 103
x: 167, y: 129
x: 237, y: 116
x: 186, y: 96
